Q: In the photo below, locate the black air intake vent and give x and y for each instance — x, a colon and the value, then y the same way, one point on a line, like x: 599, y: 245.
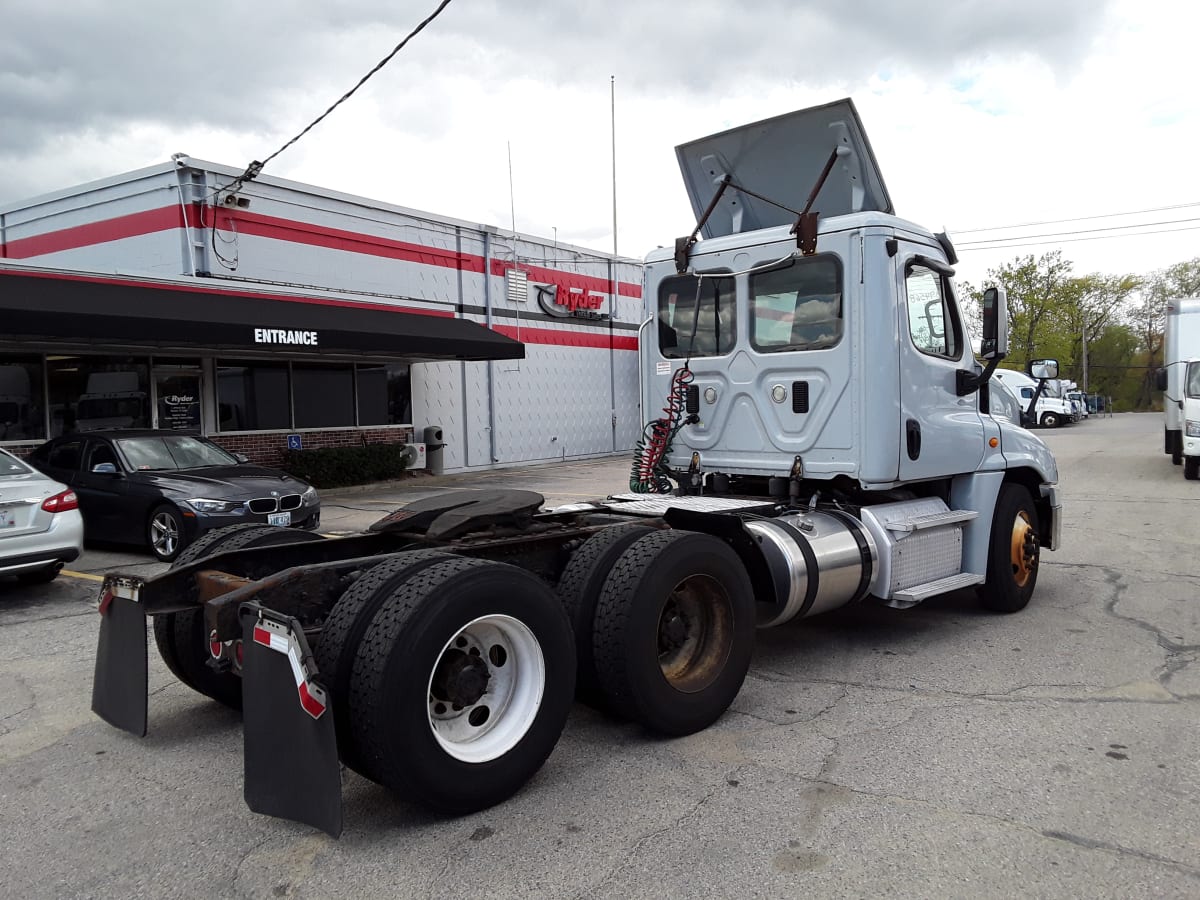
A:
x: 693, y: 398
x: 799, y: 396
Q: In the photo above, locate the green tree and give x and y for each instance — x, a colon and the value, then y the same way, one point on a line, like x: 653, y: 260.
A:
x: 1035, y: 287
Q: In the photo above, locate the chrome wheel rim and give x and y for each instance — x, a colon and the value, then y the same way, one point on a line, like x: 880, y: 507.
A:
x: 164, y: 534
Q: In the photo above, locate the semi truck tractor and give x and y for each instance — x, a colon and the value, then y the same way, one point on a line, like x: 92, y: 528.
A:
x: 824, y: 441
x: 1181, y: 342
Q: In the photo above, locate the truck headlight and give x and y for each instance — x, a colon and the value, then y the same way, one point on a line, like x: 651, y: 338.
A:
x: 202, y: 505
x: 1193, y: 428
x: 311, y: 497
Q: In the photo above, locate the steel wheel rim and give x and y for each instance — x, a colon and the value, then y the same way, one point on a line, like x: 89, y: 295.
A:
x: 497, y: 720
x: 164, y: 534
x: 1023, y: 549
x: 695, y: 634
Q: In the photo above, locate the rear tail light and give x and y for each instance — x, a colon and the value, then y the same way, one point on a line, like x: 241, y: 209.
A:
x: 214, y: 646
x: 61, y: 502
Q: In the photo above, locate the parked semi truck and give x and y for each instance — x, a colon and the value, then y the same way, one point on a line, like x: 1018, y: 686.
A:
x: 1181, y: 343
x: 825, y: 440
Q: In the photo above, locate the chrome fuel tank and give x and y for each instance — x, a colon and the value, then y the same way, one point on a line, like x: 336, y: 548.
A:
x: 818, y: 560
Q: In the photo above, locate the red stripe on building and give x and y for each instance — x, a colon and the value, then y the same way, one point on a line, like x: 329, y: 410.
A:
x: 595, y: 339
x: 291, y: 231
x: 133, y: 225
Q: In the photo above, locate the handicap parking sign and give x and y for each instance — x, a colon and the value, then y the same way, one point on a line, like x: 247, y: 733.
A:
x: 294, y: 442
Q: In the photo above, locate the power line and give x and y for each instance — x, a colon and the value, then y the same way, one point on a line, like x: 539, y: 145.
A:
x: 256, y: 167
x: 1054, y: 234
x: 979, y: 245
x: 1135, y: 212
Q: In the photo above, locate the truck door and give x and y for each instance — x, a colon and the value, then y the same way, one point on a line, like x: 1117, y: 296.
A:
x: 941, y: 432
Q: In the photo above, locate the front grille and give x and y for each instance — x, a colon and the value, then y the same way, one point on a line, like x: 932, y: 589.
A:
x: 271, y: 504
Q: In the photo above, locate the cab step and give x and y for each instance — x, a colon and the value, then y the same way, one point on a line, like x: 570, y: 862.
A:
x: 919, y: 592
x: 932, y: 520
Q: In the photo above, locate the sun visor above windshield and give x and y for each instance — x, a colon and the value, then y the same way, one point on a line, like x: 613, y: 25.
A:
x: 782, y: 159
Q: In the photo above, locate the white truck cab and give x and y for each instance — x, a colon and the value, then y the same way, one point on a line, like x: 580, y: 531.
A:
x: 1050, y: 411
x: 1191, y: 419
x: 826, y: 360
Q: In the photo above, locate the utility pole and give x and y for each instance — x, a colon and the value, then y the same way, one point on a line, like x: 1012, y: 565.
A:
x: 1085, y: 359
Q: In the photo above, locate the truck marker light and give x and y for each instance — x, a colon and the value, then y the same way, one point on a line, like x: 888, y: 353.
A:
x: 993, y: 442
x: 214, y: 646
x: 312, y: 697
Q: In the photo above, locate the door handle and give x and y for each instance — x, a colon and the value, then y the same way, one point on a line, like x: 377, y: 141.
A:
x: 912, y: 429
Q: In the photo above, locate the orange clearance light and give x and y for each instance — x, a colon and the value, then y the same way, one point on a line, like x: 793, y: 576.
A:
x: 993, y: 442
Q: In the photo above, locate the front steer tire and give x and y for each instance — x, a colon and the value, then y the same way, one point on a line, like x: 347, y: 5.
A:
x: 1013, y: 552
x: 180, y: 636
x: 1191, y: 468
x: 674, y: 631
x: 462, y: 684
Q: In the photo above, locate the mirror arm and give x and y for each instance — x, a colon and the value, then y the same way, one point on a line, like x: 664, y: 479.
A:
x: 968, y: 382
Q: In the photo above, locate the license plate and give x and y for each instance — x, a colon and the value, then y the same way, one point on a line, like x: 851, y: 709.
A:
x: 7, y: 518
x: 281, y: 518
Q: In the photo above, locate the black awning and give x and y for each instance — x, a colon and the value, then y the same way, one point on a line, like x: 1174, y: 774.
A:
x: 55, y: 306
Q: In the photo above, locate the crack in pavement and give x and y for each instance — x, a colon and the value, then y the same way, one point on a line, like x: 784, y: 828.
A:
x: 645, y: 839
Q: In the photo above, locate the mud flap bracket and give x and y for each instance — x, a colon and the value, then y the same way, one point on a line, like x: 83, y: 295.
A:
x: 290, y: 748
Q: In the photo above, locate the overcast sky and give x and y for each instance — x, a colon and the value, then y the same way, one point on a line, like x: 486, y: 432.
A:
x: 982, y: 113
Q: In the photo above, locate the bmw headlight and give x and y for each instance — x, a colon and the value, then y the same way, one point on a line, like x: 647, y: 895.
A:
x: 1193, y: 428
x: 311, y: 497
x: 210, y: 507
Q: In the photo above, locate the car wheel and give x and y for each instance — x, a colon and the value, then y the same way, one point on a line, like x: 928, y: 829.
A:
x: 40, y: 576
x: 164, y: 532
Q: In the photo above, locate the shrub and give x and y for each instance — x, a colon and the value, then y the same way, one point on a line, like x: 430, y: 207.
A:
x: 341, y: 466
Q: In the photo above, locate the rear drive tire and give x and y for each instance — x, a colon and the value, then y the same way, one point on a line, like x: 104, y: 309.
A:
x: 580, y: 586
x: 180, y: 636
x: 1176, y: 455
x: 674, y: 630
x: 1013, y: 553
x: 343, y: 630
x: 1191, y: 468
x: 462, y: 684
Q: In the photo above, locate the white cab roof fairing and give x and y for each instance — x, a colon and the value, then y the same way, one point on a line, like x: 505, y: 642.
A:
x: 782, y: 158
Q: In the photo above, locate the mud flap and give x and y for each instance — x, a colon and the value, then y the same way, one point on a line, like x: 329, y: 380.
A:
x: 290, y: 749
x: 119, y: 685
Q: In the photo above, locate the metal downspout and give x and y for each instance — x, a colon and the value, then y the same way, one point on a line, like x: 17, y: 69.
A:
x: 491, y: 366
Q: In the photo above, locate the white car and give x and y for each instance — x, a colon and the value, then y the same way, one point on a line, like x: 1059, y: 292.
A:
x: 40, y: 524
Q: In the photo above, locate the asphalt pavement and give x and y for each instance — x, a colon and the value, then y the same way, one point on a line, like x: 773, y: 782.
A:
x: 939, y: 751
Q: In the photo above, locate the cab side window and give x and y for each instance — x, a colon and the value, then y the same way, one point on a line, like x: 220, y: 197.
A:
x: 932, y: 323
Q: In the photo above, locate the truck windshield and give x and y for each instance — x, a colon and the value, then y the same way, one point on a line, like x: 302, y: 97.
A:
x: 1193, y: 380
x: 696, y: 316
x: 797, y: 307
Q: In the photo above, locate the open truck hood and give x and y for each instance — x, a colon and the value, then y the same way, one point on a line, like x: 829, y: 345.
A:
x: 782, y: 158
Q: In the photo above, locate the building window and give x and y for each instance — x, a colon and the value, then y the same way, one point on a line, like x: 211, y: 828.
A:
x: 323, y: 395
x: 384, y: 394
x: 22, y: 413
x: 797, y: 307
x: 253, y: 396
x: 88, y: 393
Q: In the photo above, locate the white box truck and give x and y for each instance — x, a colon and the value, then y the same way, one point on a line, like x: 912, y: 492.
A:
x: 1181, y: 343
